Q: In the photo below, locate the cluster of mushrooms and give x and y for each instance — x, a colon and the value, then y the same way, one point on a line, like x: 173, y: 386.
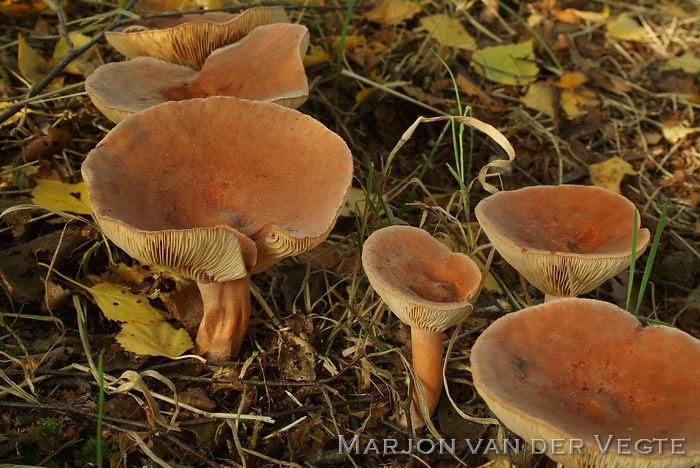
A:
x: 581, y: 372
x: 206, y: 174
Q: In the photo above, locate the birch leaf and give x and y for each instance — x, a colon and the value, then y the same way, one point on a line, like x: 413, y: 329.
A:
x: 62, y: 196
x: 512, y: 64
x: 154, y: 339
x: 609, y: 173
x: 448, y: 31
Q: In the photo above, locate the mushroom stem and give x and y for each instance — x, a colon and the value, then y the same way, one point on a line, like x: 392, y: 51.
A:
x: 225, y: 320
x: 550, y: 297
x: 427, y: 352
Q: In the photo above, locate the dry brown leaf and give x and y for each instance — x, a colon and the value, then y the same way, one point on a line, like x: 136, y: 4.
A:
x: 393, y: 11
x: 468, y: 87
x: 19, y: 8
x: 609, y: 173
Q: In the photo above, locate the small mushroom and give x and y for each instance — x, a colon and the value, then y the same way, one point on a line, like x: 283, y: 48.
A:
x: 189, y: 39
x: 217, y: 189
x: 566, y: 239
x: 429, y: 289
x: 585, y: 372
x: 266, y: 65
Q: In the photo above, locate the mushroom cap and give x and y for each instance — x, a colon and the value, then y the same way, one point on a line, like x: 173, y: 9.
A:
x: 577, y: 368
x: 565, y: 239
x: 266, y: 65
x: 217, y: 188
x: 420, y: 279
x: 189, y: 39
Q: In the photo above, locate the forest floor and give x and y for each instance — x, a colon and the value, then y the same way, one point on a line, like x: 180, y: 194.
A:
x: 602, y: 92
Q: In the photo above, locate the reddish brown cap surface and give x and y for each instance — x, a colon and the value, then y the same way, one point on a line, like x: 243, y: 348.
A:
x: 189, y: 39
x: 205, y: 186
x: 266, y: 65
x: 576, y: 368
x: 419, y: 278
x: 566, y: 239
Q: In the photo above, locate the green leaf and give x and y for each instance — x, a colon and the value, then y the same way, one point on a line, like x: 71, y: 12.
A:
x: 512, y: 64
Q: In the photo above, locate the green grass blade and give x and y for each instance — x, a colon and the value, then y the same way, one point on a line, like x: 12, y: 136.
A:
x: 341, y: 46
x: 652, y: 255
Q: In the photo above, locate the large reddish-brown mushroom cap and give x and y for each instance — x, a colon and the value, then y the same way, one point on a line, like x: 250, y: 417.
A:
x: 189, y: 39
x: 266, y: 65
x: 182, y: 183
x: 419, y: 278
x: 577, y: 368
x: 567, y: 239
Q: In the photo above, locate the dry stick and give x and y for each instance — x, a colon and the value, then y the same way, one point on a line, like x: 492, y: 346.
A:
x: 72, y: 55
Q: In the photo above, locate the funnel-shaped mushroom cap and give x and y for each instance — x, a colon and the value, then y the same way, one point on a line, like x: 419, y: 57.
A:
x: 266, y: 65
x: 197, y: 186
x: 189, y: 39
x: 580, y: 368
x: 420, y: 279
x: 566, y: 239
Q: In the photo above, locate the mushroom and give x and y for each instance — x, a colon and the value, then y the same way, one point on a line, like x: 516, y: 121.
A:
x: 266, y: 65
x: 215, y: 190
x: 429, y: 289
x: 189, y: 39
x: 566, y: 239
x: 585, y: 372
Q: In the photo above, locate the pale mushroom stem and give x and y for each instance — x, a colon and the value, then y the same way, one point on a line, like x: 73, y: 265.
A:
x: 225, y: 320
x: 550, y: 297
x: 427, y: 352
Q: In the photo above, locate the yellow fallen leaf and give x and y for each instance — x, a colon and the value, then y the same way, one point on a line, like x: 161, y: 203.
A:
x: 19, y: 8
x: 154, y: 339
x: 393, y: 11
x: 512, y: 64
x: 687, y: 62
x: 133, y: 274
x: 33, y: 66
x: 448, y: 31
x: 609, y: 173
x: 315, y: 56
x: 123, y: 306
x: 592, y: 16
x: 626, y: 28
x: 573, y: 102
x: 677, y: 133
x: 62, y: 196
x: 350, y: 43
x: 83, y: 65
x: 570, y: 80
x: 355, y: 201
x: 540, y: 97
